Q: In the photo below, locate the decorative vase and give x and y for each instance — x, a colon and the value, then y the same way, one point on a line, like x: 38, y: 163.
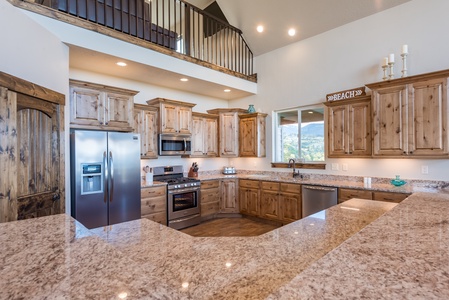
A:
x: 397, y: 181
x: 251, y: 109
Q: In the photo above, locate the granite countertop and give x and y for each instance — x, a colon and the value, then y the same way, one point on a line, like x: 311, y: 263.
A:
x: 358, y: 249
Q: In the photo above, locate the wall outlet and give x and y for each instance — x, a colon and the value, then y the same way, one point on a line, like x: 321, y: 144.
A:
x: 334, y: 167
x: 424, y: 169
x: 344, y: 167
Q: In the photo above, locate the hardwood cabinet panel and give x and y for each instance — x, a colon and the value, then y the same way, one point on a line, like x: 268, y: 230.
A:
x: 204, y: 135
x: 118, y: 110
x: 249, y: 197
x: 246, y: 183
x: 229, y: 197
x: 184, y: 119
x: 210, y: 208
x: 269, y: 185
x: 349, y: 128
x: 86, y: 107
x: 154, y: 204
x: 270, y: 205
x: 346, y: 194
x: 156, y: 191
x: 174, y: 116
x: 291, y: 207
x: 210, y: 197
x: 145, y: 123
x: 389, y: 197
x: 211, y: 136
x: 252, y: 135
x: 290, y: 188
x: 160, y: 217
x: 169, y: 118
x: 209, y: 184
x: 229, y: 142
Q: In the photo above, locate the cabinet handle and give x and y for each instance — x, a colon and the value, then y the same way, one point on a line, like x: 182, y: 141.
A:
x: 405, y: 152
x: 411, y: 152
x: 350, y: 152
x: 106, y: 123
x: 101, y: 123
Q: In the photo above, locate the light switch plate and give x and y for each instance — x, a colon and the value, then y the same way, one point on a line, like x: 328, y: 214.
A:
x: 334, y: 167
x: 424, y: 169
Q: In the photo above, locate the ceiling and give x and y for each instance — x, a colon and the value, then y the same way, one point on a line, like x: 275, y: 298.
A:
x: 308, y: 17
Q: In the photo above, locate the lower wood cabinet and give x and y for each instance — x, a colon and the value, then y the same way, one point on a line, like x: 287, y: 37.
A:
x: 270, y: 207
x: 345, y: 194
x: 154, y: 204
x: 210, y: 198
x: 229, y: 201
x: 291, y: 202
x: 249, y: 197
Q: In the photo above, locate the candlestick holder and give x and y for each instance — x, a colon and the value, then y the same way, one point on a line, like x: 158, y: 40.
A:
x: 384, y: 70
x: 404, y: 64
x: 391, y: 75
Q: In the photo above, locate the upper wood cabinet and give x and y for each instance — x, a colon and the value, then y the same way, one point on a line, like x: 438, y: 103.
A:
x: 174, y: 116
x: 252, y: 135
x: 228, y: 122
x: 410, y: 116
x: 204, y: 135
x: 100, y: 107
x: 349, y: 127
x: 145, y: 123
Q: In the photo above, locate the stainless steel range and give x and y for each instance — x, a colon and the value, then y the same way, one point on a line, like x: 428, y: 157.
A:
x: 183, y: 196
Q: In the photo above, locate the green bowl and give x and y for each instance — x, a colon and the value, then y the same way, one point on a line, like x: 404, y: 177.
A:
x: 397, y: 182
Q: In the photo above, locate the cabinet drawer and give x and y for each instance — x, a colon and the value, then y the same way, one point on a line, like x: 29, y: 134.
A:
x: 291, y: 188
x: 152, y: 191
x: 249, y: 183
x: 210, y: 195
x: 209, y: 184
x: 208, y: 209
x: 270, y: 186
x: 346, y: 194
x: 153, y: 205
x: 389, y: 197
x: 160, y: 217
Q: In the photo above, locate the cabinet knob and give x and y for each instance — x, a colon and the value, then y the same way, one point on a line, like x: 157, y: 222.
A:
x: 411, y: 152
x: 350, y: 152
x: 405, y: 152
x: 101, y: 123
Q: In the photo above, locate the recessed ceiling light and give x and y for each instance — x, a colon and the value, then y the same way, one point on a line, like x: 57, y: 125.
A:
x: 227, y: 90
x: 291, y: 32
x: 310, y: 112
x: 121, y: 64
x: 184, y: 79
x: 260, y: 28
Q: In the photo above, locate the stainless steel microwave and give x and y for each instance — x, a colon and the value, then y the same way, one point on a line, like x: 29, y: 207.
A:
x: 175, y: 144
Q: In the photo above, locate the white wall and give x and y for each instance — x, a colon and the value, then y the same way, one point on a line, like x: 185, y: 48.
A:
x: 347, y: 57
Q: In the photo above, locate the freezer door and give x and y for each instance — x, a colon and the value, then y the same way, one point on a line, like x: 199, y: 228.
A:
x: 124, y: 179
x: 88, y: 151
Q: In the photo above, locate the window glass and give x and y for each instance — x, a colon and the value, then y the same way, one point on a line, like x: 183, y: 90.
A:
x: 299, y: 134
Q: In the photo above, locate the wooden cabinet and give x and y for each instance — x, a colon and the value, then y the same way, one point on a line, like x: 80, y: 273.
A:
x: 252, y: 135
x: 270, y: 207
x: 32, y: 154
x: 280, y: 201
x: 145, y: 123
x: 345, y: 194
x: 174, y: 116
x: 100, y: 107
x: 249, y: 197
x: 349, y: 127
x: 410, y: 116
x: 229, y: 202
x: 228, y: 122
x: 204, y: 135
x: 154, y: 204
x: 210, y: 198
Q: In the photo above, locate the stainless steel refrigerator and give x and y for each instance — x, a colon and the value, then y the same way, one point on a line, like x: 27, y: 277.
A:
x: 105, y: 177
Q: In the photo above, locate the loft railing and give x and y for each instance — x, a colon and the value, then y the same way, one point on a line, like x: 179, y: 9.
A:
x: 174, y: 24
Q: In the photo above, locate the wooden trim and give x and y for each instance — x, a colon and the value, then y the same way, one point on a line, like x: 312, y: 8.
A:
x: 252, y: 115
x: 203, y: 115
x: 158, y: 101
x: 314, y: 166
x: 55, y: 14
x: 145, y: 107
x: 27, y: 88
x: 217, y: 111
x: 102, y: 87
x: 349, y: 101
x: 409, y: 79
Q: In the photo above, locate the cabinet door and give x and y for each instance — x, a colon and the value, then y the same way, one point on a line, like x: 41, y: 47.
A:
x: 229, y: 146
x: 184, y: 119
x: 150, y: 134
x: 269, y: 205
x: 253, y: 202
x: 118, y: 111
x: 154, y: 204
x: 359, y: 129
x: 428, y: 128
x: 169, y: 118
x: 211, y: 137
x: 198, y: 129
x: 229, y: 201
x: 389, y: 197
x: 338, y: 130
x: 290, y: 207
x: 87, y: 107
x: 248, y: 137
x: 390, y: 121
x: 346, y: 194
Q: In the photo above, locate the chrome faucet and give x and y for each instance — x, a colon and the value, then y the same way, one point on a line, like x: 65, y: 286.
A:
x: 291, y: 162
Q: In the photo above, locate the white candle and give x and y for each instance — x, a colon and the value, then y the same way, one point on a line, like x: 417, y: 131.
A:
x: 391, y: 58
x: 385, y: 61
x: 404, y: 49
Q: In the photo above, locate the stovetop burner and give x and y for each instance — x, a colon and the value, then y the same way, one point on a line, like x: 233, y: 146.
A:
x: 174, y: 177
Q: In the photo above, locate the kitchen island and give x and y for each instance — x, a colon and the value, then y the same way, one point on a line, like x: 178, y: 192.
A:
x: 360, y: 248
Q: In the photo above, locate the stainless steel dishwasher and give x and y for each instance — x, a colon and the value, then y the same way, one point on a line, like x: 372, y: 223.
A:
x: 316, y: 198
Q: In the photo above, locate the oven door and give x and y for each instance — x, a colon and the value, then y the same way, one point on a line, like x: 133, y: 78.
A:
x: 183, y: 202
x: 175, y: 144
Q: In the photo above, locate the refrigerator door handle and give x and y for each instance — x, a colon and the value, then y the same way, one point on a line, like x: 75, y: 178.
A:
x: 105, y: 178
x: 111, y: 190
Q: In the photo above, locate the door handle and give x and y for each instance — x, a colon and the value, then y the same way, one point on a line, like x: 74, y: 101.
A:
x: 111, y: 191
x: 105, y: 178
